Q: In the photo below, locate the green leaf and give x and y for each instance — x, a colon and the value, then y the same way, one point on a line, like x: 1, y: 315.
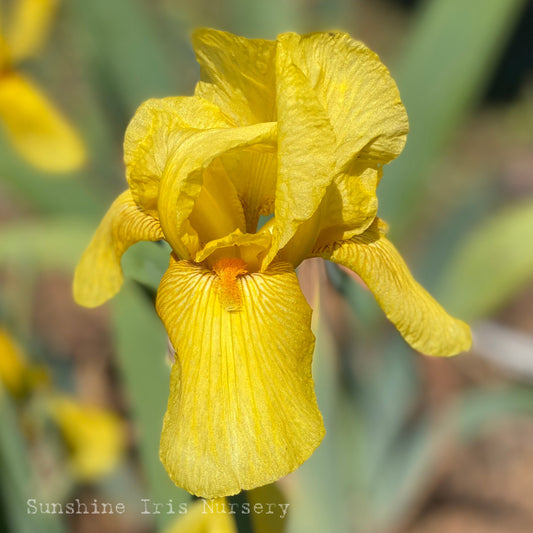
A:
x: 141, y: 344
x: 49, y: 193
x: 15, y: 481
x: 263, y: 19
x: 450, y: 54
x: 128, y: 55
x: 46, y: 243
x: 492, y: 263
x: 319, y: 502
x: 146, y: 262
x: 472, y: 411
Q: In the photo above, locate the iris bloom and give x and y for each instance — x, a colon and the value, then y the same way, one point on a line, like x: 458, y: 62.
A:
x: 298, y: 128
x: 96, y: 437
x: 35, y: 127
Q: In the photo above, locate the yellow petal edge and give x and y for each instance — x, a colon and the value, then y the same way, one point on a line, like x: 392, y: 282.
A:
x: 423, y: 323
x: 98, y: 275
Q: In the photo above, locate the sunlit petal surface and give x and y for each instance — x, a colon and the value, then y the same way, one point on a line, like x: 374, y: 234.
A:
x: 242, y: 411
x: 419, y: 318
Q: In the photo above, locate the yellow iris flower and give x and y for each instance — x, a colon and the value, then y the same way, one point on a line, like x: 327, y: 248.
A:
x: 298, y: 128
x: 35, y: 127
x: 96, y: 437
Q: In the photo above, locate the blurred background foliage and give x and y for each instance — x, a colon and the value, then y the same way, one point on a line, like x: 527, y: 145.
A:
x: 413, y: 444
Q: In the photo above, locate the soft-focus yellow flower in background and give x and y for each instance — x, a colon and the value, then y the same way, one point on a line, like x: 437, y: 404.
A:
x: 35, y: 127
x: 95, y: 437
x: 298, y: 128
x: 16, y: 373
x: 205, y: 517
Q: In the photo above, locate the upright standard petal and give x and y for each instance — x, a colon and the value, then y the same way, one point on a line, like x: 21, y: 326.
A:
x: 344, y: 76
x: 242, y: 410
x: 306, y: 162
x: 356, y: 90
x: 423, y: 323
x: 185, y: 177
x: 238, y: 75
x: 28, y: 26
x: 154, y: 133
x: 98, y: 275
x: 35, y: 127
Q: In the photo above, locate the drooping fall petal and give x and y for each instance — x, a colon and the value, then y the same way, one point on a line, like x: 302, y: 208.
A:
x: 423, y: 323
x: 242, y: 410
x: 98, y: 275
x: 36, y: 128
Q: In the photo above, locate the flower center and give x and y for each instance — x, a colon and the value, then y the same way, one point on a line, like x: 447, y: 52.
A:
x: 227, y: 269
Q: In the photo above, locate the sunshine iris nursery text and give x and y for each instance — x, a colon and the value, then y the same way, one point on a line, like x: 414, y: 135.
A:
x: 149, y: 507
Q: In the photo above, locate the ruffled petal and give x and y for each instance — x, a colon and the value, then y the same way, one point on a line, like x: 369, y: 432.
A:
x: 423, y: 323
x: 153, y: 134
x: 237, y: 75
x: 98, y: 275
x: 369, y: 123
x: 356, y: 90
x: 306, y: 162
x: 242, y: 410
x: 185, y: 176
x: 250, y: 247
x: 28, y: 26
x: 36, y: 128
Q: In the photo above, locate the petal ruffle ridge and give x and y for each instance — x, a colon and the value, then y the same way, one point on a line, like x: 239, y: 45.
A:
x: 242, y: 410
x: 187, y: 172
x: 237, y: 75
x: 423, y: 323
x: 98, y: 275
x: 346, y: 77
x: 306, y: 162
x: 154, y: 133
